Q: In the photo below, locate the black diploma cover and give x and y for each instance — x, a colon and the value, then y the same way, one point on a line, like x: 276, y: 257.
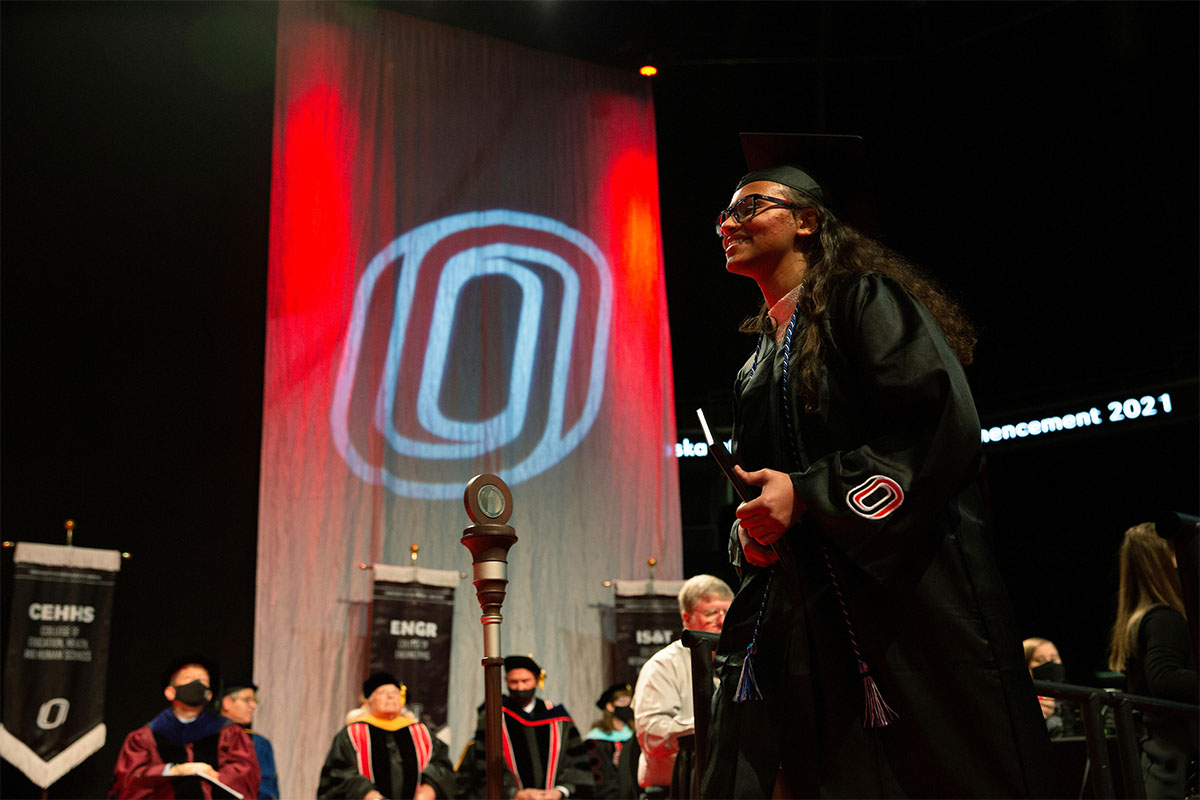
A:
x: 716, y: 449
x: 743, y: 490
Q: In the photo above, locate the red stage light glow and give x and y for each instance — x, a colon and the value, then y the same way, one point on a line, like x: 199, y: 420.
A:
x: 317, y: 153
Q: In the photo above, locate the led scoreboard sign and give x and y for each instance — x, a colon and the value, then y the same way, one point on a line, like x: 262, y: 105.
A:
x: 1136, y: 408
x: 1126, y: 410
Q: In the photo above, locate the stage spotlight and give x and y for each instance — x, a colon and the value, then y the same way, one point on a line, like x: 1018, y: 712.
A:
x: 648, y: 70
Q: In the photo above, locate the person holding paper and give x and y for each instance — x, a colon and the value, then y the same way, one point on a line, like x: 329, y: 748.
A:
x: 187, y: 750
x: 870, y: 650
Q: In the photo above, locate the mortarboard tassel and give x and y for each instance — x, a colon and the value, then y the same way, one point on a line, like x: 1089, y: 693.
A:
x: 747, y: 688
x: 878, y: 714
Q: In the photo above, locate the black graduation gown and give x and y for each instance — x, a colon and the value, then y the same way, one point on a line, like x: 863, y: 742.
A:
x: 540, y: 750
x: 888, y: 470
x: 364, y: 756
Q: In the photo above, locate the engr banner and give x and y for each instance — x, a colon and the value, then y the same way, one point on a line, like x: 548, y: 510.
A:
x: 412, y: 619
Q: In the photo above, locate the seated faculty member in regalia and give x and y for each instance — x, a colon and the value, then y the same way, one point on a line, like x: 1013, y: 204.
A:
x: 239, y: 701
x: 544, y: 756
x: 386, y: 753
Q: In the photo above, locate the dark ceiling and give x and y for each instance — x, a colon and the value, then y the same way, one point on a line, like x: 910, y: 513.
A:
x: 1040, y: 159
x: 1033, y: 156
x: 679, y: 34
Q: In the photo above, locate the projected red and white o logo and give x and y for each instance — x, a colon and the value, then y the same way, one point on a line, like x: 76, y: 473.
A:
x: 475, y: 340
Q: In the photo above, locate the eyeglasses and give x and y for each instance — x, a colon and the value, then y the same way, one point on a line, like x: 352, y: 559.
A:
x: 712, y: 613
x: 747, y: 207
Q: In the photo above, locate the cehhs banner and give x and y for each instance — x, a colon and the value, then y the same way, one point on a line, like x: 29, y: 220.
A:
x: 57, y: 659
x: 465, y: 277
x: 647, y: 617
x: 412, y: 616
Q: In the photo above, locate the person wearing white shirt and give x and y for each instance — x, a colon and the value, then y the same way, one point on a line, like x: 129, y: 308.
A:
x: 662, y: 700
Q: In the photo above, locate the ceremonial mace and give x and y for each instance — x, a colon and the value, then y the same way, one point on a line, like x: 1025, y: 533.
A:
x: 489, y: 505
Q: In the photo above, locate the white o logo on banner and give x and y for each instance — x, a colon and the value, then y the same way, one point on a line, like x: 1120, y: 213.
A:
x: 449, y: 438
x: 60, y: 705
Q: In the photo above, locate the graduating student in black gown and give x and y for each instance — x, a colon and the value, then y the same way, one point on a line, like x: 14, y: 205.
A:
x: 870, y: 651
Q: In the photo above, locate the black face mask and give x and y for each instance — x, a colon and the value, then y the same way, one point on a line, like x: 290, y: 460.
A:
x: 192, y: 694
x: 519, y: 699
x: 624, y: 713
x: 1050, y: 671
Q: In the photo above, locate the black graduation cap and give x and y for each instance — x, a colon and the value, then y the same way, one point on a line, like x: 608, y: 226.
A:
x: 832, y: 168
x: 179, y: 662
x: 611, y: 692
x: 232, y: 685
x: 521, y: 662
x: 525, y: 662
x: 378, y: 679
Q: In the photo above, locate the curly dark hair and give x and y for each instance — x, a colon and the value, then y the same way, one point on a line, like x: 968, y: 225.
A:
x: 839, y: 251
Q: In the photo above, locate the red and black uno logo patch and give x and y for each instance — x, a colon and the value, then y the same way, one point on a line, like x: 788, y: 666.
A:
x: 875, y: 498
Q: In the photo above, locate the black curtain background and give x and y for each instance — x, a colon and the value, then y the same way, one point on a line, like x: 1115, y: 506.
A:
x: 135, y: 172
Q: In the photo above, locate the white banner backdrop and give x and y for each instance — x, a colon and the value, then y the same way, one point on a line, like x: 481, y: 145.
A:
x: 465, y: 277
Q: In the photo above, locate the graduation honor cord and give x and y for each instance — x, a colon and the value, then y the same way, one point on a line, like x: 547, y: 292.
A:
x: 877, y: 713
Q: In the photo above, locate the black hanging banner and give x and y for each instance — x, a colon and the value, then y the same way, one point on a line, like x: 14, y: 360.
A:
x: 647, y: 617
x: 57, y: 659
x: 412, y: 614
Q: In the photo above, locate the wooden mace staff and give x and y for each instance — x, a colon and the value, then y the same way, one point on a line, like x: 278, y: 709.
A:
x: 489, y: 505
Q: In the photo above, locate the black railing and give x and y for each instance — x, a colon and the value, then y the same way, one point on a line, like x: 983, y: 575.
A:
x: 702, y: 644
x: 1092, y: 702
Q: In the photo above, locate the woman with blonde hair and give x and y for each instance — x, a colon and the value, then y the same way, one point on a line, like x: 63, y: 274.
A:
x: 1044, y: 662
x: 1152, y: 646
